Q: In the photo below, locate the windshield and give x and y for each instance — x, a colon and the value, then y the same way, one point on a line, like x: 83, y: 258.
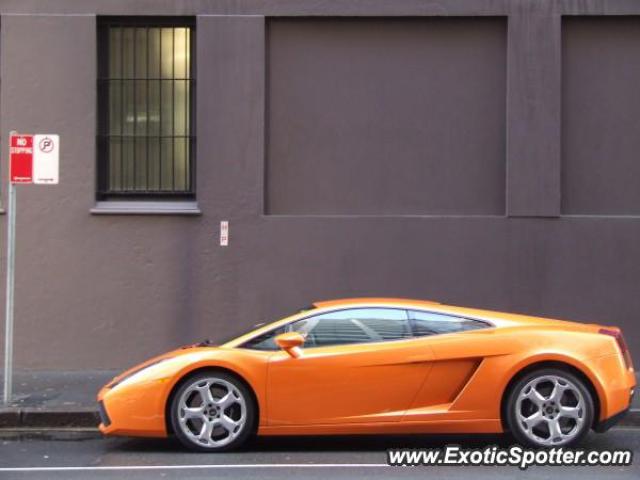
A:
x: 233, y: 336
x: 237, y: 333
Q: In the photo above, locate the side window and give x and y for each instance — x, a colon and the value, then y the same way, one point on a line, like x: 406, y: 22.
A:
x: 427, y: 323
x: 358, y: 325
x: 264, y: 341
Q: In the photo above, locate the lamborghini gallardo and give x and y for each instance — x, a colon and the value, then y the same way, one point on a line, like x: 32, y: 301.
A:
x: 381, y: 366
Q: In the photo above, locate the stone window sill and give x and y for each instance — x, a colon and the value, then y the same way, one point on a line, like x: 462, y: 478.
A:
x: 146, y: 208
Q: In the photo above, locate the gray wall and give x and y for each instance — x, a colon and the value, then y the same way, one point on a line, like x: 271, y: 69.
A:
x: 524, y: 218
x: 366, y: 116
x: 600, y: 125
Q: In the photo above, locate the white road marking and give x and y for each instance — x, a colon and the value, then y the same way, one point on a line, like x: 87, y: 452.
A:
x: 193, y: 467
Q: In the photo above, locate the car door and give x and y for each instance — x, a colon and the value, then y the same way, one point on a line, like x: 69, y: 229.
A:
x: 357, y: 365
x: 459, y: 345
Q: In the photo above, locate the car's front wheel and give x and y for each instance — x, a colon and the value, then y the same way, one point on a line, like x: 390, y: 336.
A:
x: 549, y: 408
x: 212, y: 412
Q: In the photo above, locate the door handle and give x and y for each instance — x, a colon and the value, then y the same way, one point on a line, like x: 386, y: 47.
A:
x: 420, y: 359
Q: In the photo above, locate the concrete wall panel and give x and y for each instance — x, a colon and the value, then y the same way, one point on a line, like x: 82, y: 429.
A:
x: 382, y: 116
x: 601, y: 116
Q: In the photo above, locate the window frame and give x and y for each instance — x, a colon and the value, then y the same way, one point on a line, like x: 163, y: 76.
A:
x: 102, y: 192
x: 402, y: 310
x: 407, y: 311
x: 414, y: 327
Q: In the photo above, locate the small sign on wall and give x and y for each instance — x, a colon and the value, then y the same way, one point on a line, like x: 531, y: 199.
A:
x: 224, y: 233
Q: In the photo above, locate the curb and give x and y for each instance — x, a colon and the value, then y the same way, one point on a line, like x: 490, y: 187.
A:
x: 12, y: 418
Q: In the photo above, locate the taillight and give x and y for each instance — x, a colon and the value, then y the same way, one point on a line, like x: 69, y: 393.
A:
x: 622, y: 345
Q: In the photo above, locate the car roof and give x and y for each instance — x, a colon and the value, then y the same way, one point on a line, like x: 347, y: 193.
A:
x: 343, y: 302
x: 497, y: 319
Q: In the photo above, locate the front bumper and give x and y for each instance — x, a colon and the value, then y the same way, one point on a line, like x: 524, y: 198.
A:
x: 105, y: 421
x: 133, y: 410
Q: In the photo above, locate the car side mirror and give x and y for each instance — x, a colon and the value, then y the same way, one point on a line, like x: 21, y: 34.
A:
x: 290, y: 342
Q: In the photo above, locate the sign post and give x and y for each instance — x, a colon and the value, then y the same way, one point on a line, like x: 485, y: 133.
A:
x: 8, y: 334
x: 22, y: 164
x: 8, y: 338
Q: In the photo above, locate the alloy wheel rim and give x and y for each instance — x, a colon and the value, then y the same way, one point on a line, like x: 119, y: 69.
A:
x: 550, y: 410
x: 212, y: 412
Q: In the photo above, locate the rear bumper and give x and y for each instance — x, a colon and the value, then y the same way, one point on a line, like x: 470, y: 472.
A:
x: 606, y: 424
x: 614, y: 383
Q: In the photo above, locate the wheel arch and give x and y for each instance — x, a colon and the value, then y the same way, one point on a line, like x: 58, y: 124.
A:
x: 207, y: 368
x: 558, y: 364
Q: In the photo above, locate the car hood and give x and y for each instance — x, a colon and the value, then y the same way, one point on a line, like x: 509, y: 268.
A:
x: 186, y: 349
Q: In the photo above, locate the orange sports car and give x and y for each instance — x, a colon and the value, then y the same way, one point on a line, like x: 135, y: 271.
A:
x: 376, y: 365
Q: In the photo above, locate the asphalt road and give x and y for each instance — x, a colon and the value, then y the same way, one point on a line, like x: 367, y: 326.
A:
x: 87, y: 456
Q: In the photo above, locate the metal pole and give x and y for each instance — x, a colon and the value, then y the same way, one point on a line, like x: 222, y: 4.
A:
x: 11, y: 250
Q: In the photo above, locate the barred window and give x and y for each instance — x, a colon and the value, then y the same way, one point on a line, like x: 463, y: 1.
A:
x: 146, y: 93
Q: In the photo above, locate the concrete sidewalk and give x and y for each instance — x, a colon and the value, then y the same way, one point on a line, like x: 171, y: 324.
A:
x: 53, y: 399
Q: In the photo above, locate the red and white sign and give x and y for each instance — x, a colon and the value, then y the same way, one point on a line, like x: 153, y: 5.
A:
x: 34, y: 158
x: 21, y: 158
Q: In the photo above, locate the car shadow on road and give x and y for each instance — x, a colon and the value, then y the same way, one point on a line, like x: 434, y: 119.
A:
x: 372, y: 442
x: 332, y: 443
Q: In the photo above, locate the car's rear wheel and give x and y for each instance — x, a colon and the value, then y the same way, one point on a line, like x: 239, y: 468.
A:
x: 212, y: 412
x: 549, y: 408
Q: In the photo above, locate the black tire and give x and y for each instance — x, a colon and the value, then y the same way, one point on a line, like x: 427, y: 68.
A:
x: 188, y: 437
x: 532, y: 433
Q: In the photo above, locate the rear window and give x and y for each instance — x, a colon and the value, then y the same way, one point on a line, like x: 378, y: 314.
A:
x: 429, y: 323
